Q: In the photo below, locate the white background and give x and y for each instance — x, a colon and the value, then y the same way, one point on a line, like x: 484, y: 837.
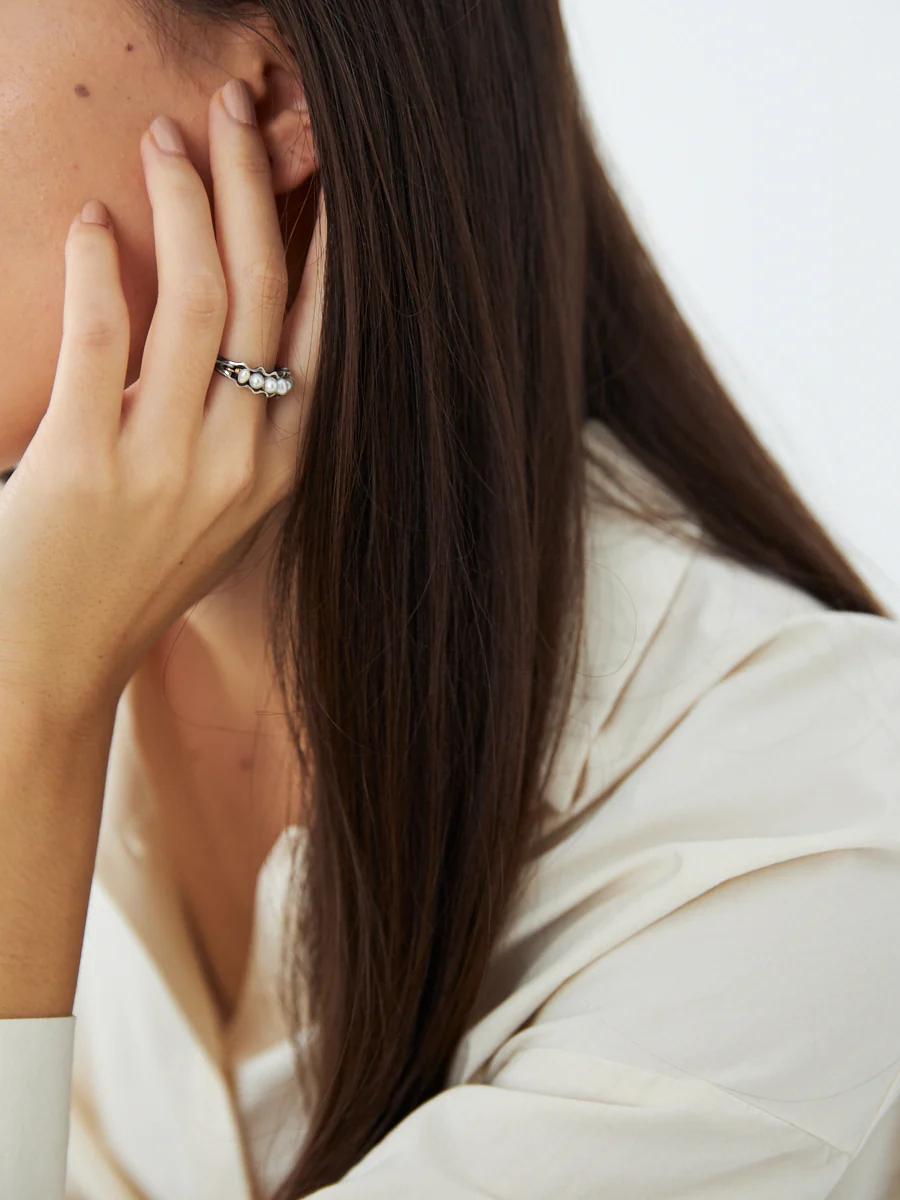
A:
x: 757, y: 148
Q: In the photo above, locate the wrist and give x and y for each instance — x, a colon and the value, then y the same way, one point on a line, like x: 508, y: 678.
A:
x: 51, y: 705
x: 53, y: 761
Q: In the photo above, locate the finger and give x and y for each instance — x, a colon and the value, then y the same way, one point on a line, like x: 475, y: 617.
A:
x: 300, y: 348
x: 251, y: 248
x: 186, y: 329
x: 87, y: 390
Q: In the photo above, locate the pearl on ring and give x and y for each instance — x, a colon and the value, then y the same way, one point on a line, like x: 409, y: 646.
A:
x: 269, y: 383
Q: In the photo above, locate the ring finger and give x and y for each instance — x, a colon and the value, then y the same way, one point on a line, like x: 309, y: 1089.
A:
x: 251, y: 249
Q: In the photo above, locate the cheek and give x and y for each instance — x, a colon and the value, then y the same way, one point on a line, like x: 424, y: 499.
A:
x: 37, y: 203
x: 86, y: 84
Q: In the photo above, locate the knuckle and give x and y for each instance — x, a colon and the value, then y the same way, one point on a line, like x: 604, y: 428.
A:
x: 254, y: 161
x: 269, y: 281
x: 203, y: 295
x: 99, y: 330
x: 281, y: 484
x: 241, y: 477
x: 161, y: 481
x: 181, y: 178
x: 178, y: 185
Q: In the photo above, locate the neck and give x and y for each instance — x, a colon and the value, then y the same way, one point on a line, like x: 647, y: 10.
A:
x: 212, y: 667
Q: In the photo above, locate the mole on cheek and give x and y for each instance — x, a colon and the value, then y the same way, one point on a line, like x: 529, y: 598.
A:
x: 128, y: 46
x: 81, y: 90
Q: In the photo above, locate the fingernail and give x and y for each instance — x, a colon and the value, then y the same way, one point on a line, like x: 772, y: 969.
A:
x: 238, y: 101
x: 95, y: 213
x: 167, y: 135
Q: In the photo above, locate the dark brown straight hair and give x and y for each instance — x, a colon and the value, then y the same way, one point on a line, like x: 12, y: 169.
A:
x: 485, y: 294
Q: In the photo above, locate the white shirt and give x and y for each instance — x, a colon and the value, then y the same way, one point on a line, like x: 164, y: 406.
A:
x: 697, y: 998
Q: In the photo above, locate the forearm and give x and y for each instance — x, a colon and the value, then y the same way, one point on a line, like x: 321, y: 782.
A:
x: 52, y: 775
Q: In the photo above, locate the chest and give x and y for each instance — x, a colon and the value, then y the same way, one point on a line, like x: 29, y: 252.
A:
x: 222, y: 800
x: 216, y: 845
x: 224, y: 783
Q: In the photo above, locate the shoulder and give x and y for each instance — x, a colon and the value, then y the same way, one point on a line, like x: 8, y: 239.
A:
x: 716, y: 896
x: 680, y: 642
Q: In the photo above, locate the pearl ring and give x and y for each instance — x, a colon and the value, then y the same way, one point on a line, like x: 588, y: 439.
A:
x: 257, y: 379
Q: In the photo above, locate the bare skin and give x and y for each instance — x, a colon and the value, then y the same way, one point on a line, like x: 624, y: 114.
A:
x: 213, y: 723
x: 188, y: 574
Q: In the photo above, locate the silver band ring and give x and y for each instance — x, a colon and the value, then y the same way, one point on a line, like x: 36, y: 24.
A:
x: 257, y: 379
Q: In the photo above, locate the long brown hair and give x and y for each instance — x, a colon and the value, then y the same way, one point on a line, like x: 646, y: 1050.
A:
x: 485, y: 293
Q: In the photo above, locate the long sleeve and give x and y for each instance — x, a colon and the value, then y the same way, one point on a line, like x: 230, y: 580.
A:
x: 730, y: 923
x: 766, y: 979
x: 740, y: 1049
x: 35, y: 1086
x: 560, y: 1125
x: 699, y: 998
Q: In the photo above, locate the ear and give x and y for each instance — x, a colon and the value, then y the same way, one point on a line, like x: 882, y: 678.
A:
x: 255, y: 52
x: 285, y: 126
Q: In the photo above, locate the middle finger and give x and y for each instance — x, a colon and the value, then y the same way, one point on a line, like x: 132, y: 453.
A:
x: 186, y: 330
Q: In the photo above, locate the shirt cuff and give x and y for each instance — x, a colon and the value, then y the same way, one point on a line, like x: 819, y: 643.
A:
x: 35, y: 1089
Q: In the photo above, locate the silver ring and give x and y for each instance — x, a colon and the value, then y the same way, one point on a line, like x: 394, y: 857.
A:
x: 257, y: 379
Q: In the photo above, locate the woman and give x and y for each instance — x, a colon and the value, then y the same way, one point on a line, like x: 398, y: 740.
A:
x: 469, y: 771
